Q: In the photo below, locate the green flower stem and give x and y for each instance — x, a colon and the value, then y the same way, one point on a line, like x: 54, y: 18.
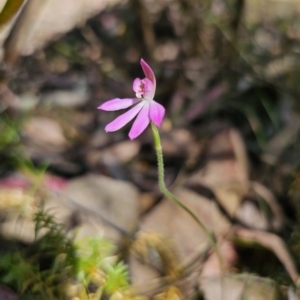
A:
x: 168, y: 194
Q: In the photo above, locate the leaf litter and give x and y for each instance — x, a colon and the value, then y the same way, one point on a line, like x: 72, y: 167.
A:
x: 224, y: 156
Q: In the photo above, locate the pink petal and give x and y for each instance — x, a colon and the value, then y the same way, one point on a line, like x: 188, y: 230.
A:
x: 122, y: 120
x: 149, y: 90
x: 117, y: 104
x: 136, y: 85
x: 148, y: 73
x: 140, y: 123
x: 156, y: 113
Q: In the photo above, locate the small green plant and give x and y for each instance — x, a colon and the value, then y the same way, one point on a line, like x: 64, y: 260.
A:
x: 57, y: 267
x: 43, y: 268
x: 97, y: 268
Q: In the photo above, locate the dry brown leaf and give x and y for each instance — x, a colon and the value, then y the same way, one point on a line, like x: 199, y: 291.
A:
x: 43, y: 21
x: 121, y: 152
x: 172, y: 293
x: 226, y: 172
x: 246, y: 286
x: 172, y: 221
x: 269, y: 198
x: 100, y: 205
x: 269, y: 10
x: 272, y: 242
x: 10, y: 11
x: 147, y: 200
x: 212, y: 268
x: 19, y: 207
x: 44, y: 131
x: 89, y: 205
x: 13, y: 198
x: 251, y: 216
x: 227, y: 160
x: 67, y: 98
x: 177, y: 141
x: 44, y: 139
x: 9, y: 8
x: 190, y: 242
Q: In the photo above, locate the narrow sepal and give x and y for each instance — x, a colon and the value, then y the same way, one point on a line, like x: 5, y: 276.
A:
x: 125, y: 118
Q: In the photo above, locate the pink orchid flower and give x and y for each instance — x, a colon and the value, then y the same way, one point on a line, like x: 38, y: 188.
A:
x: 146, y: 109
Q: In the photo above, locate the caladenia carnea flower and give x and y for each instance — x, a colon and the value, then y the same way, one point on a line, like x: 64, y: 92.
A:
x: 145, y: 108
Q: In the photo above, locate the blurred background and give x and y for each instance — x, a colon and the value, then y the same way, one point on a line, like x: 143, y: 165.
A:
x: 81, y: 215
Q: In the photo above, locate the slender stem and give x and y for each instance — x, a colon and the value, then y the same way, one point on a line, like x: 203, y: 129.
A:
x: 168, y: 194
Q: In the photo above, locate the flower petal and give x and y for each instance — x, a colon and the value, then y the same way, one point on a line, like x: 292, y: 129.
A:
x: 117, y: 104
x: 148, y: 73
x: 156, y: 113
x: 122, y: 120
x: 140, y: 123
x: 136, y: 85
x: 149, y: 90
